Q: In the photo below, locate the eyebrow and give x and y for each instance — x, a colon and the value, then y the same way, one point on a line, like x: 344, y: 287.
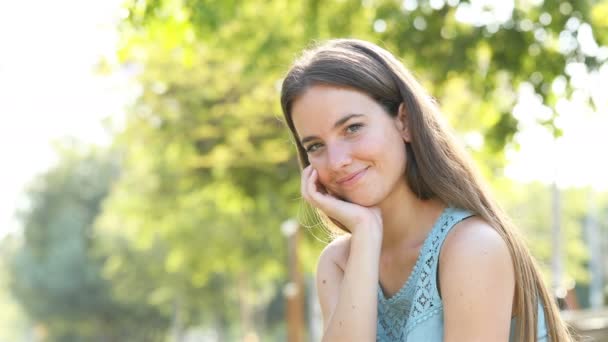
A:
x: 338, y: 123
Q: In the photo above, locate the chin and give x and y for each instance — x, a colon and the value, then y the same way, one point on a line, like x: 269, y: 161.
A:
x: 363, y: 199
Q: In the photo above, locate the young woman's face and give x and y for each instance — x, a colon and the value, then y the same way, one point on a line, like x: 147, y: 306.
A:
x: 356, y: 147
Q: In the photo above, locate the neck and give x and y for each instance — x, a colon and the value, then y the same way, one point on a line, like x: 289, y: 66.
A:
x: 407, y: 219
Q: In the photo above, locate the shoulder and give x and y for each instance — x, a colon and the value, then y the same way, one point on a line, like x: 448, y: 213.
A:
x: 335, y: 253
x: 477, y: 280
x: 473, y: 239
x: 474, y: 246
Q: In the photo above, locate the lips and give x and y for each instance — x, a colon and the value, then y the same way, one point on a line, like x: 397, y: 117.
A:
x: 352, y: 178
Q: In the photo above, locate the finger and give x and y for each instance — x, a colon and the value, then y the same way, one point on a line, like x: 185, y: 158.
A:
x: 304, y: 182
x: 305, y: 189
x: 321, y: 200
x: 327, y: 203
x: 311, y: 187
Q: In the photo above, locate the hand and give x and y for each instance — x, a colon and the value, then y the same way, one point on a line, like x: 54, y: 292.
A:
x: 351, y: 216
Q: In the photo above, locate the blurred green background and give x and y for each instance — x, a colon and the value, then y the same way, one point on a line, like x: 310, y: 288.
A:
x: 171, y: 229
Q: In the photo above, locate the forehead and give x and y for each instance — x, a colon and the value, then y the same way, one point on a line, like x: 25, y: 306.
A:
x: 322, y: 105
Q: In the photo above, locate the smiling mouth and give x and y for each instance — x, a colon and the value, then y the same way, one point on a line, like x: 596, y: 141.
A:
x: 352, y: 179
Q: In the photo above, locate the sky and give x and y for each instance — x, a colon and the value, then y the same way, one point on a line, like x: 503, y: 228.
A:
x: 576, y: 159
x: 49, y: 90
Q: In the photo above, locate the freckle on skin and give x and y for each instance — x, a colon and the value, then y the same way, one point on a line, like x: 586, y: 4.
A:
x: 340, y: 322
x: 324, y: 281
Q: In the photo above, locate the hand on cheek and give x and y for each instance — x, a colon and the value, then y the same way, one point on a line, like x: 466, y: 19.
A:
x: 323, y: 188
x: 347, y: 215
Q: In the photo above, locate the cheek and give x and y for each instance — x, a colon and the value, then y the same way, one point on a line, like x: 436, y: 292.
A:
x: 317, y: 164
x: 323, y: 177
x: 379, y: 144
x: 388, y: 150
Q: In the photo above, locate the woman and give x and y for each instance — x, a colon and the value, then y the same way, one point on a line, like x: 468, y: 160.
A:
x: 428, y: 256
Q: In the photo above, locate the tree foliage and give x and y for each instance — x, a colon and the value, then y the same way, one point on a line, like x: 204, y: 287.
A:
x: 209, y: 170
x: 56, y: 273
x: 179, y: 225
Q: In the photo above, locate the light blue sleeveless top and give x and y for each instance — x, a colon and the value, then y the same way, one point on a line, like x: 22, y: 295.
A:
x: 415, y: 312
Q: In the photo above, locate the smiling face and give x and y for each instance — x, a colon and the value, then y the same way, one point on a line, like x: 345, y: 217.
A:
x: 356, y: 147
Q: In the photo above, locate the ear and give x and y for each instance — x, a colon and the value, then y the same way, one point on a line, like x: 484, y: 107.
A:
x: 401, y: 122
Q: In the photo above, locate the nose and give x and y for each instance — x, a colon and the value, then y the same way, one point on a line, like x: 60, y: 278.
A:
x: 338, y: 156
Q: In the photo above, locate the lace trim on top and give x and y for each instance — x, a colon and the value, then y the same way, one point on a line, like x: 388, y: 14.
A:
x: 418, y: 299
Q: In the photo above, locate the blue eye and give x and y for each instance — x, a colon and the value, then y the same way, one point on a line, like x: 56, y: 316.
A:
x: 353, y: 128
x: 312, y: 147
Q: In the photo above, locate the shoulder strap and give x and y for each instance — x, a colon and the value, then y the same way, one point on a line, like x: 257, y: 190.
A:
x: 456, y: 216
x: 426, y: 299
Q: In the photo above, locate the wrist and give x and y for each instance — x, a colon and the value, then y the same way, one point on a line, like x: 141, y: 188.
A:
x: 368, y: 231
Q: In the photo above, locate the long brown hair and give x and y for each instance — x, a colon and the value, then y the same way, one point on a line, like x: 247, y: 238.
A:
x: 437, y: 166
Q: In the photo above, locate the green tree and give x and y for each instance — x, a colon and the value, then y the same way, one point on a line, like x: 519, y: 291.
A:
x: 209, y: 172
x: 14, y: 325
x: 56, y: 273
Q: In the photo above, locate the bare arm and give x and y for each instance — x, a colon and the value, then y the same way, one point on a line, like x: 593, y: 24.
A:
x: 347, y: 281
x: 348, y: 293
x: 477, y: 283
